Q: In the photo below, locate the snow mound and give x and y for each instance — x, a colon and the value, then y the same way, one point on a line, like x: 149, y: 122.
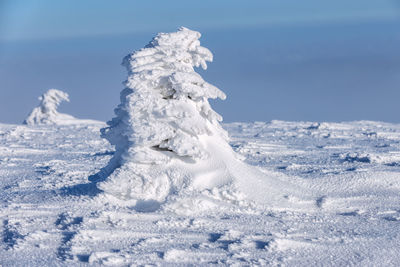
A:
x: 46, y: 113
x: 168, y: 140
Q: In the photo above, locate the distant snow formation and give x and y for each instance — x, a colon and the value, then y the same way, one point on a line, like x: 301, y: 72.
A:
x: 46, y: 112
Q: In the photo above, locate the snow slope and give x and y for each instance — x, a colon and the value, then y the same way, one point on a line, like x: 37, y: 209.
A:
x: 52, y: 214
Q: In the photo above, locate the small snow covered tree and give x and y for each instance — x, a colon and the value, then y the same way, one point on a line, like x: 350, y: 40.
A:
x: 46, y: 112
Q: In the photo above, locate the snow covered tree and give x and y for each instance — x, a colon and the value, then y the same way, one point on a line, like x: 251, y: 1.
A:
x: 164, y: 106
x: 167, y: 138
x: 46, y: 112
x: 163, y: 115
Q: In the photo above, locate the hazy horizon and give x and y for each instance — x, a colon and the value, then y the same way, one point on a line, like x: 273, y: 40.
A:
x: 312, y: 62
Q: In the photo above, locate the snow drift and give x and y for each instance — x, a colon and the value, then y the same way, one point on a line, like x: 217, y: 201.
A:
x: 168, y: 139
x: 46, y: 113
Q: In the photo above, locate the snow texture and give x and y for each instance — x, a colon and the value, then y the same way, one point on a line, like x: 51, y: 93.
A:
x: 51, y: 216
x: 177, y: 192
x: 167, y: 138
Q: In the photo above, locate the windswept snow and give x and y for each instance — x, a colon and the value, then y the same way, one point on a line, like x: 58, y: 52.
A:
x: 170, y: 188
x: 50, y: 215
x: 46, y: 112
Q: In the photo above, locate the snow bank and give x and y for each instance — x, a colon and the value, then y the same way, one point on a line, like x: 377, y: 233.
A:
x: 46, y: 112
x: 168, y: 140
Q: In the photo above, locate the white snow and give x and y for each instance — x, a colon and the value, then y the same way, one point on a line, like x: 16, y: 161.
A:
x: 51, y: 215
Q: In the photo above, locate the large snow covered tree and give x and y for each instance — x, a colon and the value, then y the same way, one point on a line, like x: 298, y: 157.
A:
x: 164, y: 106
x: 163, y: 114
x: 168, y: 140
x: 46, y: 112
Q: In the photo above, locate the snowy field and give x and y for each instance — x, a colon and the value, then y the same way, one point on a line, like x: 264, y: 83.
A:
x: 52, y: 213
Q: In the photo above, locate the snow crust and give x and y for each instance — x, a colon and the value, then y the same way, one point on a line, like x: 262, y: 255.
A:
x: 46, y: 112
x: 168, y: 140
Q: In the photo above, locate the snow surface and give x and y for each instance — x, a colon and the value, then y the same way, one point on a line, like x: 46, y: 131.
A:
x: 350, y: 215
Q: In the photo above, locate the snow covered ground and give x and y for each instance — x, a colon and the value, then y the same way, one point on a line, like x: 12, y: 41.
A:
x: 52, y: 214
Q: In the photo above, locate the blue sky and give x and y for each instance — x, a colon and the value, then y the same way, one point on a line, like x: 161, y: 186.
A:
x: 46, y: 19
x: 293, y: 60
